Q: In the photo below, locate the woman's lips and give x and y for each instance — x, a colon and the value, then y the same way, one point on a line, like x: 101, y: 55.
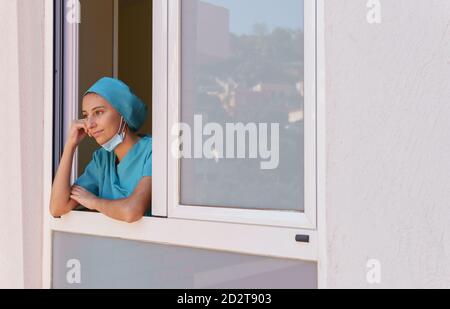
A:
x: 95, y: 134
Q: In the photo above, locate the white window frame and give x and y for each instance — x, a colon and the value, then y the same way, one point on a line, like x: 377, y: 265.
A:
x: 272, y: 240
x: 304, y: 220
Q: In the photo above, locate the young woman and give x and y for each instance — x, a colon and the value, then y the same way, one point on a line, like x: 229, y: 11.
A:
x: 118, y: 180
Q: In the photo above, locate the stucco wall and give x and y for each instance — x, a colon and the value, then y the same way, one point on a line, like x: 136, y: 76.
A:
x: 31, y: 77
x: 388, y: 143
x: 11, y: 240
x: 21, y: 130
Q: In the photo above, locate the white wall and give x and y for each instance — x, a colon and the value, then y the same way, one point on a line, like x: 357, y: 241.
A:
x: 388, y: 143
x: 11, y: 234
x: 21, y: 130
x: 31, y: 73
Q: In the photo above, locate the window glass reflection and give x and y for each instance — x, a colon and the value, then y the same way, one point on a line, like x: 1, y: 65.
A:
x: 243, y: 62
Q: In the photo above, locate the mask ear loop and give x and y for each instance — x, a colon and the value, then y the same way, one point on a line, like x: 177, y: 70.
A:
x: 122, y: 129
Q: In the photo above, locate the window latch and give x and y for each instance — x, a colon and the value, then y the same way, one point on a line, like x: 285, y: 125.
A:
x: 302, y: 238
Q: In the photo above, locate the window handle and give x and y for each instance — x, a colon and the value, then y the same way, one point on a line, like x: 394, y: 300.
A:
x: 302, y: 238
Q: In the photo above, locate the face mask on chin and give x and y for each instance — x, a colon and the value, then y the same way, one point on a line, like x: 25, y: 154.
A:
x: 117, y: 139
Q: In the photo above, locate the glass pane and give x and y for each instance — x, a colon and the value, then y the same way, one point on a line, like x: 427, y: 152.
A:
x: 117, y: 263
x: 242, y: 62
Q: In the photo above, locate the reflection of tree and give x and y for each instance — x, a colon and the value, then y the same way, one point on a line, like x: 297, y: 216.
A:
x: 275, y: 57
x: 260, y: 29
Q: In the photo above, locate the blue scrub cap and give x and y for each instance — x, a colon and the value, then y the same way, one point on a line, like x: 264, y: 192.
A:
x: 122, y: 98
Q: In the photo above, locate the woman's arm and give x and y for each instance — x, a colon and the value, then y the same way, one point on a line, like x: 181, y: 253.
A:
x: 60, y: 201
x: 129, y: 209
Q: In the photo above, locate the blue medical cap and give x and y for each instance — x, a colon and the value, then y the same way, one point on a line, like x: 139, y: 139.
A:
x: 122, y: 98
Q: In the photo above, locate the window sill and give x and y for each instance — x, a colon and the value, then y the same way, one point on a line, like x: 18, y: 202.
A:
x: 271, y: 241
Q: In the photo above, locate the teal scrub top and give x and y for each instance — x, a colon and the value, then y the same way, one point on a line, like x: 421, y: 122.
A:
x: 102, y: 178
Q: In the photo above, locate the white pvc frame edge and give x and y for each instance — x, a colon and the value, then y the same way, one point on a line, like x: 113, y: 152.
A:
x: 306, y: 220
x: 159, y: 142
x: 71, y: 75
x: 48, y: 144
x: 274, y: 242
x: 321, y: 146
x: 71, y: 96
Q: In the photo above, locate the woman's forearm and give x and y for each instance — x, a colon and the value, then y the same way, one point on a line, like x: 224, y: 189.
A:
x: 60, y: 202
x: 121, y: 209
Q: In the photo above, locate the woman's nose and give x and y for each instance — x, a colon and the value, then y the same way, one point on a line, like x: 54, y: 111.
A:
x: 90, y: 123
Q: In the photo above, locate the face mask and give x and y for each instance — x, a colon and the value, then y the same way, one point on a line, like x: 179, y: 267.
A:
x: 117, y: 139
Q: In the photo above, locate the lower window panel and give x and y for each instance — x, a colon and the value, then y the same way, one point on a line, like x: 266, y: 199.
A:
x: 81, y: 261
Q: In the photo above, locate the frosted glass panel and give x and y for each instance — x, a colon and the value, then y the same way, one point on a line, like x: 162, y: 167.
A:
x: 243, y: 62
x: 101, y: 262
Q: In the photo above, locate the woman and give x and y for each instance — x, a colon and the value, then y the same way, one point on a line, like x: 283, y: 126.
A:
x: 117, y: 182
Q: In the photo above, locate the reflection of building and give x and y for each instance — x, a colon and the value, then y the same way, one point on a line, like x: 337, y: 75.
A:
x: 213, y: 24
x: 241, y: 102
x: 286, y: 89
x: 295, y: 115
x: 205, y: 31
x: 272, y: 88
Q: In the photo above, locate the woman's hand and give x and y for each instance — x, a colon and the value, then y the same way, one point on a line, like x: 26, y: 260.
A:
x: 77, y: 133
x: 84, y: 197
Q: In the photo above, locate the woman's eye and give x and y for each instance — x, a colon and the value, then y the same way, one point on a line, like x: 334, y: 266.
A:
x: 99, y: 113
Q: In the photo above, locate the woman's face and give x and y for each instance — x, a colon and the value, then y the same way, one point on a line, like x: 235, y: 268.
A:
x: 102, y: 120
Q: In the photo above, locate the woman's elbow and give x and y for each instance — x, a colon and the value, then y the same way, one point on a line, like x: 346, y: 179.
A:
x: 58, y: 209
x: 133, y: 215
x: 55, y: 212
